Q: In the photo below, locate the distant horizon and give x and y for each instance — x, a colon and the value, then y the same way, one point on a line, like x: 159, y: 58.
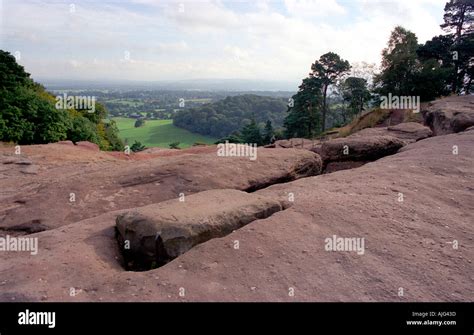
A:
x: 206, y: 84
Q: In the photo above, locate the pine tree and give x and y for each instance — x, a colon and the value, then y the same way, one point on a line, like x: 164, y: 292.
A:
x: 459, y: 23
x: 268, y: 132
x: 251, y: 133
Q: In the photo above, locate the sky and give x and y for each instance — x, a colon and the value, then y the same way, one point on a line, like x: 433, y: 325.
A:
x: 155, y: 40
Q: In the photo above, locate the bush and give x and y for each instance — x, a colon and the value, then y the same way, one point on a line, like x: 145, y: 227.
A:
x: 137, y: 146
x: 174, y: 145
x: 139, y: 123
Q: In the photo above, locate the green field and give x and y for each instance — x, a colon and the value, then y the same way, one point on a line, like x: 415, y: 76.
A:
x: 126, y: 102
x: 158, y: 133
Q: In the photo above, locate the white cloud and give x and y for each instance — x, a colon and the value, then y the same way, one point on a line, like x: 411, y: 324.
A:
x: 313, y: 8
x: 209, y: 39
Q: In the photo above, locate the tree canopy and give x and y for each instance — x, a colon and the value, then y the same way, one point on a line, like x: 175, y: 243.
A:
x: 231, y: 114
x: 28, y: 113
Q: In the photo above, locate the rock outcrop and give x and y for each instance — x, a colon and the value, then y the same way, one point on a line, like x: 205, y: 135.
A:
x: 408, y: 132
x: 450, y: 115
x: 72, y: 184
x: 298, y: 143
x: 408, y: 243
x: 359, y: 148
x: 412, y: 212
x: 156, y: 234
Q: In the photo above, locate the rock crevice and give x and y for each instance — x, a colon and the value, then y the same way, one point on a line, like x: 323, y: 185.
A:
x: 152, y: 236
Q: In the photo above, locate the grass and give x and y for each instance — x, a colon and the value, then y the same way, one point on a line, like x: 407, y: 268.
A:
x: 374, y: 118
x: 368, y: 120
x: 158, y: 133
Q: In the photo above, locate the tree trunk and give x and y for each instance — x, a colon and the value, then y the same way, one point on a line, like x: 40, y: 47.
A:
x: 457, y: 41
x: 323, y: 123
x: 468, y: 86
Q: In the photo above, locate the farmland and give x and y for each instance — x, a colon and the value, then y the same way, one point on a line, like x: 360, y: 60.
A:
x: 158, y: 133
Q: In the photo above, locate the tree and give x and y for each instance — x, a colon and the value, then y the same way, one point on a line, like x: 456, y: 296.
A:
x: 329, y: 68
x: 137, y: 146
x: 459, y: 24
x: 399, y: 64
x: 268, y: 132
x: 458, y: 18
x: 355, y: 93
x: 174, y: 145
x: 223, y: 117
x: 139, y: 123
x: 235, y: 137
x: 304, y: 110
x: 28, y: 113
x: 251, y: 133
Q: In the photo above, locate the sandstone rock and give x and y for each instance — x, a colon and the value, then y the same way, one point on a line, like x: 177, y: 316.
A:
x: 359, y: 148
x: 300, y: 143
x: 450, y: 115
x: 338, y: 166
x: 408, y: 132
x: 286, y: 249
x: 30, y: 169
x: 66, y: 142
x: 162, y: 232
x: 88, y: 145
x: 102, y: 183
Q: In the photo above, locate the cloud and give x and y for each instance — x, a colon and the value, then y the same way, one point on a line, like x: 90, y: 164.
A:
x: 313, y: 8
x: 204, y: 39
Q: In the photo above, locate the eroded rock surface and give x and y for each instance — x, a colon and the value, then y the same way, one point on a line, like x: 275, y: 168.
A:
x: 64, y: 184
x: 450, y: 115
x: 363, y: 148
x: 158, y: 233
x: 407, y: 244
x: 408, y: 132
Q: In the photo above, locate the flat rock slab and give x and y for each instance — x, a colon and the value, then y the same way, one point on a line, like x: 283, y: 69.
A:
x: 154, y: 235
x: 409, y: 132
x: 359, y: 148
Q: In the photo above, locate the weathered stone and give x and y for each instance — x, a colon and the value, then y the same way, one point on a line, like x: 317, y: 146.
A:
x: 408, y: 132
x: 88, y: 145
x: 161, y: 232
x: 363, y: 148
x: 299, y: 143
x: 450, y: 115
x: 66, y: 142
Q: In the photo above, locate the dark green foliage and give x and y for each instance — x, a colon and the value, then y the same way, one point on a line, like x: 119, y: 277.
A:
x: 268, y: 133
x: 235, y: 137
x: 356, y: 94
x: 251, y: 133
x: 399, y: 64
x: 112, y: 131
x: 431, y: 80
x: 137, y: 146
x: 28, y: 113
x: 139, y: 123
x: 329, y: 68
x: 459, y: 17
x: 174, y: 145
x: 304, y: 110
x: 226, y: 116
x: 82, y: 130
